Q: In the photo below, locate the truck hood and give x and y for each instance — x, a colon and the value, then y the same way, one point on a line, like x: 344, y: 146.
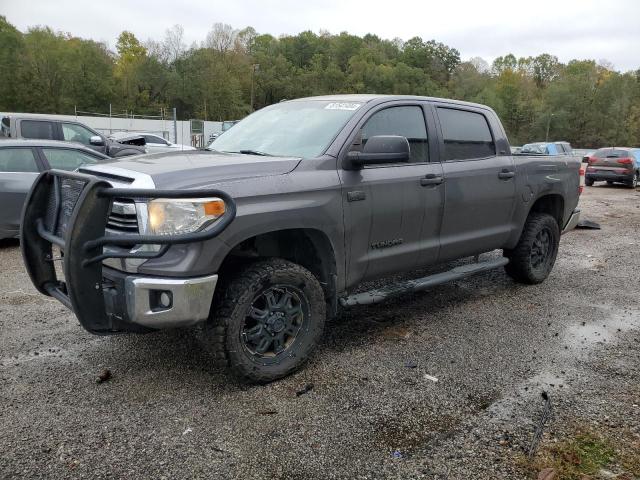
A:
x: 193, y: 169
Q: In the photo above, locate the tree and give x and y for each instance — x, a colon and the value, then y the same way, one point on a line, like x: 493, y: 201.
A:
x: 10, y: 66
x: 220, y: 38
x: 131, y: 55
x: 174, y: 45
x: 585, y: 102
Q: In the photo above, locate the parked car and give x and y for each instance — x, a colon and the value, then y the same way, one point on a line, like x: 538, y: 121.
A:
x: 153, y: 143
x: 20, y: 163
x: 24, y: 125
x: 614, y: 165
x: 296, y: 207
x: 583, y: 153
x: 547, y: 148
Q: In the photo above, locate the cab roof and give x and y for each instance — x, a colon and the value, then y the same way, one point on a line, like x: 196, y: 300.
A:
x: 378, y: 98
x: 33, y: 143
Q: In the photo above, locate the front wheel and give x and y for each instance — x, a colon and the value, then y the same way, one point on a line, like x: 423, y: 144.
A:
x: 535, y: 254
x: 266, y: 320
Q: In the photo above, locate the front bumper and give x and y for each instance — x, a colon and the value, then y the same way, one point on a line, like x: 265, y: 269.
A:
x: 189, y: 300
x: 573, y: 221
x: 142, y: 303
x: 69, y: 211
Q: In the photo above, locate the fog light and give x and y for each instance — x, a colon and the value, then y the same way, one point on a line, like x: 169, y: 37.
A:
x: 165, y: 299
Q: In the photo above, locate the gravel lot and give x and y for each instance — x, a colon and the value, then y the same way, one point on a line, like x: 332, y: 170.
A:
x: 494, y: 346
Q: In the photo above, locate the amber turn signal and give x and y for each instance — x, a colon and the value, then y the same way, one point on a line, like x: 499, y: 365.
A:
x: 215, y: 208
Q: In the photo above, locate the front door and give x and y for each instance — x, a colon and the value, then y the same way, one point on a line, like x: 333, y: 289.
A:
x: 392, y: 211
x: 479, y: 185
x: 74, y: 132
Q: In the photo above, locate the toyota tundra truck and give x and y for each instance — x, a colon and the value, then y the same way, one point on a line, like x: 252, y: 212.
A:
x: 286, y: 218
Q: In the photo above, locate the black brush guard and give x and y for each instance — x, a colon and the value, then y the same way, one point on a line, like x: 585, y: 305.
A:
x: 70, y: 210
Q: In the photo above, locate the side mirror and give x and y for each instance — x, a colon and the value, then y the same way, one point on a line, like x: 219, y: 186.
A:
x: 97, y: 141
x: 378, y: 150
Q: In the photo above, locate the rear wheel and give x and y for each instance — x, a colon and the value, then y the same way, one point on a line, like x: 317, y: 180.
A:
x: 535, y: 254
x: 634, y: 181
x: 266, y: 320
x: 588, y: 182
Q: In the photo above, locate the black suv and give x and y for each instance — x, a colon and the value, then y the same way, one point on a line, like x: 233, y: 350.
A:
x: 24, y: 125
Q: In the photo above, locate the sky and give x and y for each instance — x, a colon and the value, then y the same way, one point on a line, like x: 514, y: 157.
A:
x: 586, y: 29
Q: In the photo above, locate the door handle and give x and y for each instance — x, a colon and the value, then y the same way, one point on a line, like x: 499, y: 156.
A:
x: 506, y: 174
x: 431, y: 179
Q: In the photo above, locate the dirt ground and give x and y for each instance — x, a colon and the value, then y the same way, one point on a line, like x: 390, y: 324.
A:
x: 373, y: 408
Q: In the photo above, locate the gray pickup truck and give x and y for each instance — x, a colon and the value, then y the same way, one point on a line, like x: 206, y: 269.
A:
x: 280, y: 224
x: 43, y: 127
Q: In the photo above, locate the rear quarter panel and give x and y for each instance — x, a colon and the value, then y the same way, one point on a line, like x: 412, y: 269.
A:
x: 542, y: 175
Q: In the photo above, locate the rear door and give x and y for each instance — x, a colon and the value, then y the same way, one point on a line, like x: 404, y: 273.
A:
x: 479, y: 183
x: 19, y: 168
x: 393, y: 211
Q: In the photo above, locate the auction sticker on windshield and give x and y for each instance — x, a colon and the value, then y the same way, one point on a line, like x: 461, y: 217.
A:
x: 342, y: 106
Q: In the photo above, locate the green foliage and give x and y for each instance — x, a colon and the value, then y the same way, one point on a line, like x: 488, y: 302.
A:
x: 587, y: 104
x: 581, y: 456
x: 11, y: 55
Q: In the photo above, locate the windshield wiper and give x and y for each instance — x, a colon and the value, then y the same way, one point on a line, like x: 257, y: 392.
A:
x: 253, y: 152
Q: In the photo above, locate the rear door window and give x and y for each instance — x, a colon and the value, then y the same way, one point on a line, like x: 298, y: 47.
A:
x: 17, y: 160
x: 466, y: 134
x: 38, y: 129
x: 406, y: 121
x: 67, y: 158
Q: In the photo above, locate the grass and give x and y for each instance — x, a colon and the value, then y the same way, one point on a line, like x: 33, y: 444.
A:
x: 585, y: 454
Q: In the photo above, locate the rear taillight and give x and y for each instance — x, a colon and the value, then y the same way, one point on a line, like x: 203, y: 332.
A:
x: 581, y: 182
x: 625, y: 161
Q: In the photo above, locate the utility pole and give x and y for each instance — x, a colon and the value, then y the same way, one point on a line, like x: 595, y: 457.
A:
x: 546, y: 138
x: 254, y: 68
x: 175, y: 126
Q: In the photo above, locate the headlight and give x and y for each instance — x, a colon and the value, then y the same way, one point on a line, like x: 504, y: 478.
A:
x: 170, y: 216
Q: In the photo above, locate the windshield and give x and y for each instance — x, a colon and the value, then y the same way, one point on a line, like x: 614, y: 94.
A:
x: 292, y: 129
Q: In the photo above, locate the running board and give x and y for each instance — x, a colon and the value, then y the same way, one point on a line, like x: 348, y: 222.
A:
x: 381, y: 294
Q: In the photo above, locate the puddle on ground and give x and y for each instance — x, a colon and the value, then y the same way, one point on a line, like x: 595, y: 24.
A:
x: 578, y: 339
x: 586, y: 335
